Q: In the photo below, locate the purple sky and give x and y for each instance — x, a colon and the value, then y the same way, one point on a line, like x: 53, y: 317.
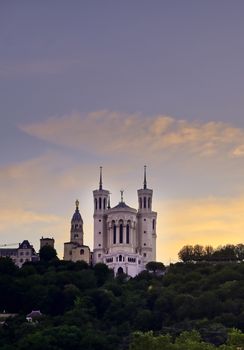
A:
x: 144, y: 61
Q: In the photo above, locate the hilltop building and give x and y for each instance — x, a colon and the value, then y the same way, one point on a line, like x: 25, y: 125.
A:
x: 75, y: 250
x: 47, y: 241
x: 24, y: 253
x: 124, y: 237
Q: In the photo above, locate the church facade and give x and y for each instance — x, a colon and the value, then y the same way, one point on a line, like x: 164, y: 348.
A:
x: 124, y: 237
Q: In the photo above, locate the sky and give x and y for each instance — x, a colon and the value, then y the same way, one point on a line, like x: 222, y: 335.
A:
x: 120, y: 84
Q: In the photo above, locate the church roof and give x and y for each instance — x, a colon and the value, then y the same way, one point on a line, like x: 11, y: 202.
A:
x: 121, y: 205
x: 77, y: 216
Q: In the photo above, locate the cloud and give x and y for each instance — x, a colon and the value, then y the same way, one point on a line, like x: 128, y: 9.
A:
x: 107, y: 133
x: 18, y: 217
x: 42, y: 66
x: 238, y: 151
x: 214, y: 221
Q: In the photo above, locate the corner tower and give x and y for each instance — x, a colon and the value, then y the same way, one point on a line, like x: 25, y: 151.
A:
x: 101, y: 203
x: 146, y: 222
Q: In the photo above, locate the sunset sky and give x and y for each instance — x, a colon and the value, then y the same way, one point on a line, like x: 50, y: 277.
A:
x: 122, y: 84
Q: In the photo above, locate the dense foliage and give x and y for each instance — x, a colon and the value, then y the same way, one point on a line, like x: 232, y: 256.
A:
x: 87, y: 308
x: 225, y: 253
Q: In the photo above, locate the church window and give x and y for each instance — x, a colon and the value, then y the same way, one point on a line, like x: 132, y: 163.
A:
x: 144, y: 244
x: 120, y: 258
x: 153, y: 224
x: 140, y: 200
x: 99, y: 245
x: 99, y: 233
x: 100, y: 220
x: 76, y: 235
x: 104, y: 203
x: 145, y: 231
x: 127, y: 234
x: 121, y: 233
x: 145, y: 202
x: 144, y: 254
x: 114, y: 232
x: 100, y: 203
x: 96, y: 203
x: 99, y: 255
x: 82, y: 252
x: 145, y: 219
x: 149, y: 203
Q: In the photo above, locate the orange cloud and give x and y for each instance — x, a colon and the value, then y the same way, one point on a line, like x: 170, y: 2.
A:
x: 107, y: 132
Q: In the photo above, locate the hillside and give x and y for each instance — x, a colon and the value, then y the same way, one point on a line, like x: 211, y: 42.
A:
x: 86, y: 308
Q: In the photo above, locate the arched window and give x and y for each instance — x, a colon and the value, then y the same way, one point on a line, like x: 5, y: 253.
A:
x: 140, y: 200
x: 104, y: 203
x: 100, y: 203
x: 120, y: 258
x: 114, y: 233
x: 96, y: 203
x: 81, y: 251
x: 127, y: 234
x: 153, y: 224
x: 145, y: 202
x: 121, y: 232
x: 149, y: 203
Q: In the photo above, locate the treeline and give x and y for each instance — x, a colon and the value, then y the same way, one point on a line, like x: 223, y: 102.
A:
x: 226, y: 253
x: 185, y: 341
x: 87, y: 308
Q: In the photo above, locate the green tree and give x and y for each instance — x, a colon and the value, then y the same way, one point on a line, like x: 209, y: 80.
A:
x: 186, y: 254
x: 47, y: 253
x: 155, y: 267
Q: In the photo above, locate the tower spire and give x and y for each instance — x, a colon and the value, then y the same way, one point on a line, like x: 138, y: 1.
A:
x: 145, y: 178
x: 101, y: 178
x: 77, y: 204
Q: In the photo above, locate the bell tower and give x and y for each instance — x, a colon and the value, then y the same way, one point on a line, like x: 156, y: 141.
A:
x: 146, y: 222
x: 76, y: 231
x: 101, y: 204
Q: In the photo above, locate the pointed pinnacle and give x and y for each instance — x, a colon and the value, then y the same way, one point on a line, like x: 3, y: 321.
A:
x: 101, y: 178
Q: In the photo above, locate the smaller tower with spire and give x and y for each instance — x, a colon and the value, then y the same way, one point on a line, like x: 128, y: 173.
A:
x: 76, y: 231
x: 75, y: 250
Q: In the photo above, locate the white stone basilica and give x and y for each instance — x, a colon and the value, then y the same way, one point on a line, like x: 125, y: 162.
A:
x: 124, y: 237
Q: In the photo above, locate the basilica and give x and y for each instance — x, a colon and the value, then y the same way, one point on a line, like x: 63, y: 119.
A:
x: 124, y: 237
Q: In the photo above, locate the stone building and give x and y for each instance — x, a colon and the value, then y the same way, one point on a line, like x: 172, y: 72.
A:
x: 44, y: 241
x: 24, y: 253
x: 124, y: 237
x: 75, y: 250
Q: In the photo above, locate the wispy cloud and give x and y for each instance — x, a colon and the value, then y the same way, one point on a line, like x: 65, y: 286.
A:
x: 41, y: 66
x: 106, y: 132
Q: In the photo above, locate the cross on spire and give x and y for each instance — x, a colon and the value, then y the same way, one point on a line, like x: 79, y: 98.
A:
x: 77, y: 204
x: 122, y: 193
x: 145, y: 178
